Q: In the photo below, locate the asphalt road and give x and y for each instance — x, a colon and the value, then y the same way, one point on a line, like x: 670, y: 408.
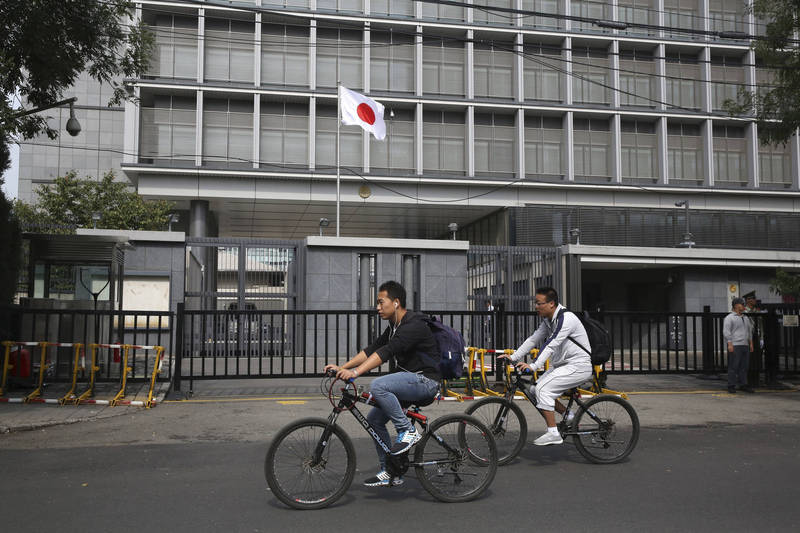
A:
x: 196, y: 467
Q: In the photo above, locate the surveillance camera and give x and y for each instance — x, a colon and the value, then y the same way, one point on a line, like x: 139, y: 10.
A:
x: 73, y: 126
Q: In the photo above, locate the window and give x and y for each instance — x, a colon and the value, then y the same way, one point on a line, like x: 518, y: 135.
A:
x: 683, y: 14
x: 730, y: 158
x: 443, y: 141
x: 284, y: 134
x: 592, y: 9
x: 637, y: 78
x: 352, y: 6
x: 229, y: 46
x: 543, y: 141
x: 591, y: 80
x: 350, y: 141
x: 168, y: 126
x: 228, y: 133
x: 396, y: 151
x: 175, y: 54
x: 638, y: 150
x: 542, y: 66
x: 443, y: 12
x: 638, y: 12
x: 395, y: 8
x: 592, y: 141
x: 284, y: 3
x: 284, y: 55
x: 494, y: 70
x: 494, y: 143
x: 727, y: 77
x: 765, y: 80
x: 391, y: 62
x: 727, y: 15
x: 684, y: 153
x: 482, y: 15
x: 443, y: 67
x: 542, y: 6
x: 347, y: 46
x: 775, y: 164
x: 684, y: 88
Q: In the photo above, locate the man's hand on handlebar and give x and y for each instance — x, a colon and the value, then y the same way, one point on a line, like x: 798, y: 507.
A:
x: 523, y: 367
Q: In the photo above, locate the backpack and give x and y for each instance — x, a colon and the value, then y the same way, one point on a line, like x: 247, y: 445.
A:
x: 451, y: 348
x: 599, y: 339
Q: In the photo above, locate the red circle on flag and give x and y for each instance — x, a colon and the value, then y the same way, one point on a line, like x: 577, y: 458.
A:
x: 366, y: 114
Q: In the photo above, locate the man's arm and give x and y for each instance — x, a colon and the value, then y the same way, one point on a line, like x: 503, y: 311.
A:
x: 563, y: 329
x: 727, y: 332
x: 530, y: 343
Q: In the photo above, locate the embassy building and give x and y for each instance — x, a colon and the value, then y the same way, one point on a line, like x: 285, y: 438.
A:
x: 529, y: 123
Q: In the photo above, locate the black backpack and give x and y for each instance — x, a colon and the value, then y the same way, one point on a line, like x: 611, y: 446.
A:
x: 451, y: 348
x: 599, y: 339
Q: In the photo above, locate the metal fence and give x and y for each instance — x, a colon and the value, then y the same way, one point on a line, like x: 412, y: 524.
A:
x: 148, y: 328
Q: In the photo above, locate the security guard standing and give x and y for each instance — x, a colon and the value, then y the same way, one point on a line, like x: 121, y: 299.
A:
x: 753, y: 311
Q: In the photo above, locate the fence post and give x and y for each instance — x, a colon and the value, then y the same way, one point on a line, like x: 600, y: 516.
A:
x: 176, y: 393
x: 771, y: 346
x: 708, y: 341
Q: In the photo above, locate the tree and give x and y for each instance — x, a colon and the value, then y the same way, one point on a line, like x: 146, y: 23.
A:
x: 786, y: 285
x: 70, y: 202
x: 776, y: 107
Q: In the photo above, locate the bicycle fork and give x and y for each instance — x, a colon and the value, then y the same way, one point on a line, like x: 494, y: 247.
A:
x: 322, y: 443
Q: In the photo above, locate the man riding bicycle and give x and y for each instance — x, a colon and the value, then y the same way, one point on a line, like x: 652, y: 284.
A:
x: 559, y: 338
x: 407, y: 340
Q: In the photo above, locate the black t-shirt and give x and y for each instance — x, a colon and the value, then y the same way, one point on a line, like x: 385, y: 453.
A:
x: 404, y: 343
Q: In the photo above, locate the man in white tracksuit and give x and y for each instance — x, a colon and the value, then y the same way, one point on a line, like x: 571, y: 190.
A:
x: 557, y: 338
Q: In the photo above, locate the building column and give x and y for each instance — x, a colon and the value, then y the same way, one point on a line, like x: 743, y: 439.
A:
x: 794, y: 143
x: 663, y: 150
x: 198, y: 218
x: 569, y: 150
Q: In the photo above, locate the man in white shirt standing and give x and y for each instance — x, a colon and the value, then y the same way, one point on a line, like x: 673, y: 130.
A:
x: 737, y: 331
x: 559, y: 338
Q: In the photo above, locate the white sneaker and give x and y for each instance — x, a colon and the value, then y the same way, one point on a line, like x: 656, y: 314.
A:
x: 382, y: 479
x: 405, y: 440
x: 548, y: 438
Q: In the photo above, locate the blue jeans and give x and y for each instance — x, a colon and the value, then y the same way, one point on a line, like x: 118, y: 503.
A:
x: 388, y: 392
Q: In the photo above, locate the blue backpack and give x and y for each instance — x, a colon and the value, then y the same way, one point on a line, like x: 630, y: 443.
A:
x: 451, y: 348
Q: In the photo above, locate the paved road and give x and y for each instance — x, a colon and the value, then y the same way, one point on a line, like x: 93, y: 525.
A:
x: 198, y: 467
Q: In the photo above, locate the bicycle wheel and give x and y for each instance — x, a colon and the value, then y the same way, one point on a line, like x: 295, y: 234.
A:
x: 611, y: 435
x: 456, y: 460
x: 507, y: 423
x: 296, y: 478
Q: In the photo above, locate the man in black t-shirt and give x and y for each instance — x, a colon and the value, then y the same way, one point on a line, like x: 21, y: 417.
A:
x: 415, y: 379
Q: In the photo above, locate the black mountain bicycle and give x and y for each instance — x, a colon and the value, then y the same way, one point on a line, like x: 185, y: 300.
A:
x: 311, y: 462
x: 605, y: 428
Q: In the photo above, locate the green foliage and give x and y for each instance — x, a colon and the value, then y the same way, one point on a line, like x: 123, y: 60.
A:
x: 46, y: 44
x: 785, y: 284
x: 11, y: 246
x: 70, y: 202
x: 776, y: 108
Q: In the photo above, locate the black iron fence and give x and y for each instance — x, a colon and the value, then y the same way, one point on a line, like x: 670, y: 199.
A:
x: 87, y: 327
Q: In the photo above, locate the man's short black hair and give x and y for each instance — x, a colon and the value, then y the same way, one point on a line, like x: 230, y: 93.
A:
x: 549, y: 293
x: 395, y: 291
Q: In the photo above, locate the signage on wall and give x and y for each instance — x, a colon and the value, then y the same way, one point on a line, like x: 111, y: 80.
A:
x: 790, y: 321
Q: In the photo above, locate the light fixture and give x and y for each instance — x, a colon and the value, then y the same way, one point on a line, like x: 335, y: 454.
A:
x: 323, y: 223
x: 95, y: 219
x: 364, y: 192
x: 688, y: 238
x: 173, y: 219
x: 576, y: 232
x: 453, y: 227
x: 73, y: 126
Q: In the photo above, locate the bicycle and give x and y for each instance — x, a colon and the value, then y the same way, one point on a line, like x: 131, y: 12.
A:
x: 311, y: 462
x: 605, y: 428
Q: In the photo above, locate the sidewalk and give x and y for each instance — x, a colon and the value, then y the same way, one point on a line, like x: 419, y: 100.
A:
x: 642, y: 389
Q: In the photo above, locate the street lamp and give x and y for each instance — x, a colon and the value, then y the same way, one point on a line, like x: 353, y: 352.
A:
x: 323, y: 223
x: 688, y: 238
x: 73, y: 127
x: 173, y: 219
x: 453, y: 227
x: 95, y: 220
x: 576, y: 232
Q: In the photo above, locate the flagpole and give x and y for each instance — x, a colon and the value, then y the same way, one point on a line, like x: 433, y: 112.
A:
x: 338, y: 125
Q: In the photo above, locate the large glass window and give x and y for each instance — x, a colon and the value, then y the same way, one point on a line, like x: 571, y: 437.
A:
x: 396, y: 151
x: 284, y: 55
x: 175, y: 54
x: 482, y: 15
x: 728, y: 15
x: 684, y: 88
x: 543, y: 141
x: 591, y: 79
x: 494, y: 70
x: 775, y: 165
x: 592, y: 140
x: 727, y: 77
x: 229, y: 49
x: 228, y: 133
x: 443, y: 140
x: 344, y: 47
x: 591, y: 9
x: 443, y: 67
x: 347, y: 6
x: 684, y: 154
x: 543, y: 6
x: 167, y: 130
x: 494, y: 143
x: 395, y: 8
x: 638, y: 151
x: 637, y: 78
x: 683, y: 14
x: 443, y: 12
x: 350, y: 140
x: 765, y: 80
x: 391, y: 62
x: 283, y: 135
x: 542, y: 72
x: 638, y: 12
x: 284, y: 3
x: 730, y: 156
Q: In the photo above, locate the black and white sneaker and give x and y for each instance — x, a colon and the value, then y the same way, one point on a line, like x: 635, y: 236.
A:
x: 382, y: 479
x: 405, y: 440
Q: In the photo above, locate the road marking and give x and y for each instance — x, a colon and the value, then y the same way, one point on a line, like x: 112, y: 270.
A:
x: 292, y: 402
x: 248, y: 399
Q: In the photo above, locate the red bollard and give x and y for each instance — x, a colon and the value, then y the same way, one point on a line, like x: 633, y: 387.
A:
x: 116, y: 355
x: 22, y: 363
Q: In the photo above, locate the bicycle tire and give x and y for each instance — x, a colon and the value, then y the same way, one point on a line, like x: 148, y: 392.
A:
x: 466, y: 470
x: 509, y: 432
x: 611, y: 440
x: 292, y: 477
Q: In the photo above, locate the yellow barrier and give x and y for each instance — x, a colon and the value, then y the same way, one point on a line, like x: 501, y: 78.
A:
x: 70, y: 395
x: 156, y: 372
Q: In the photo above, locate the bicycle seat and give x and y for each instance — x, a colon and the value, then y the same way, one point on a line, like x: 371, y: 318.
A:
x: 419, y: 403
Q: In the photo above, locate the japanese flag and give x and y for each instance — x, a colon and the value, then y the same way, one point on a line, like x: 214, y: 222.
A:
x: 358, y: 110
